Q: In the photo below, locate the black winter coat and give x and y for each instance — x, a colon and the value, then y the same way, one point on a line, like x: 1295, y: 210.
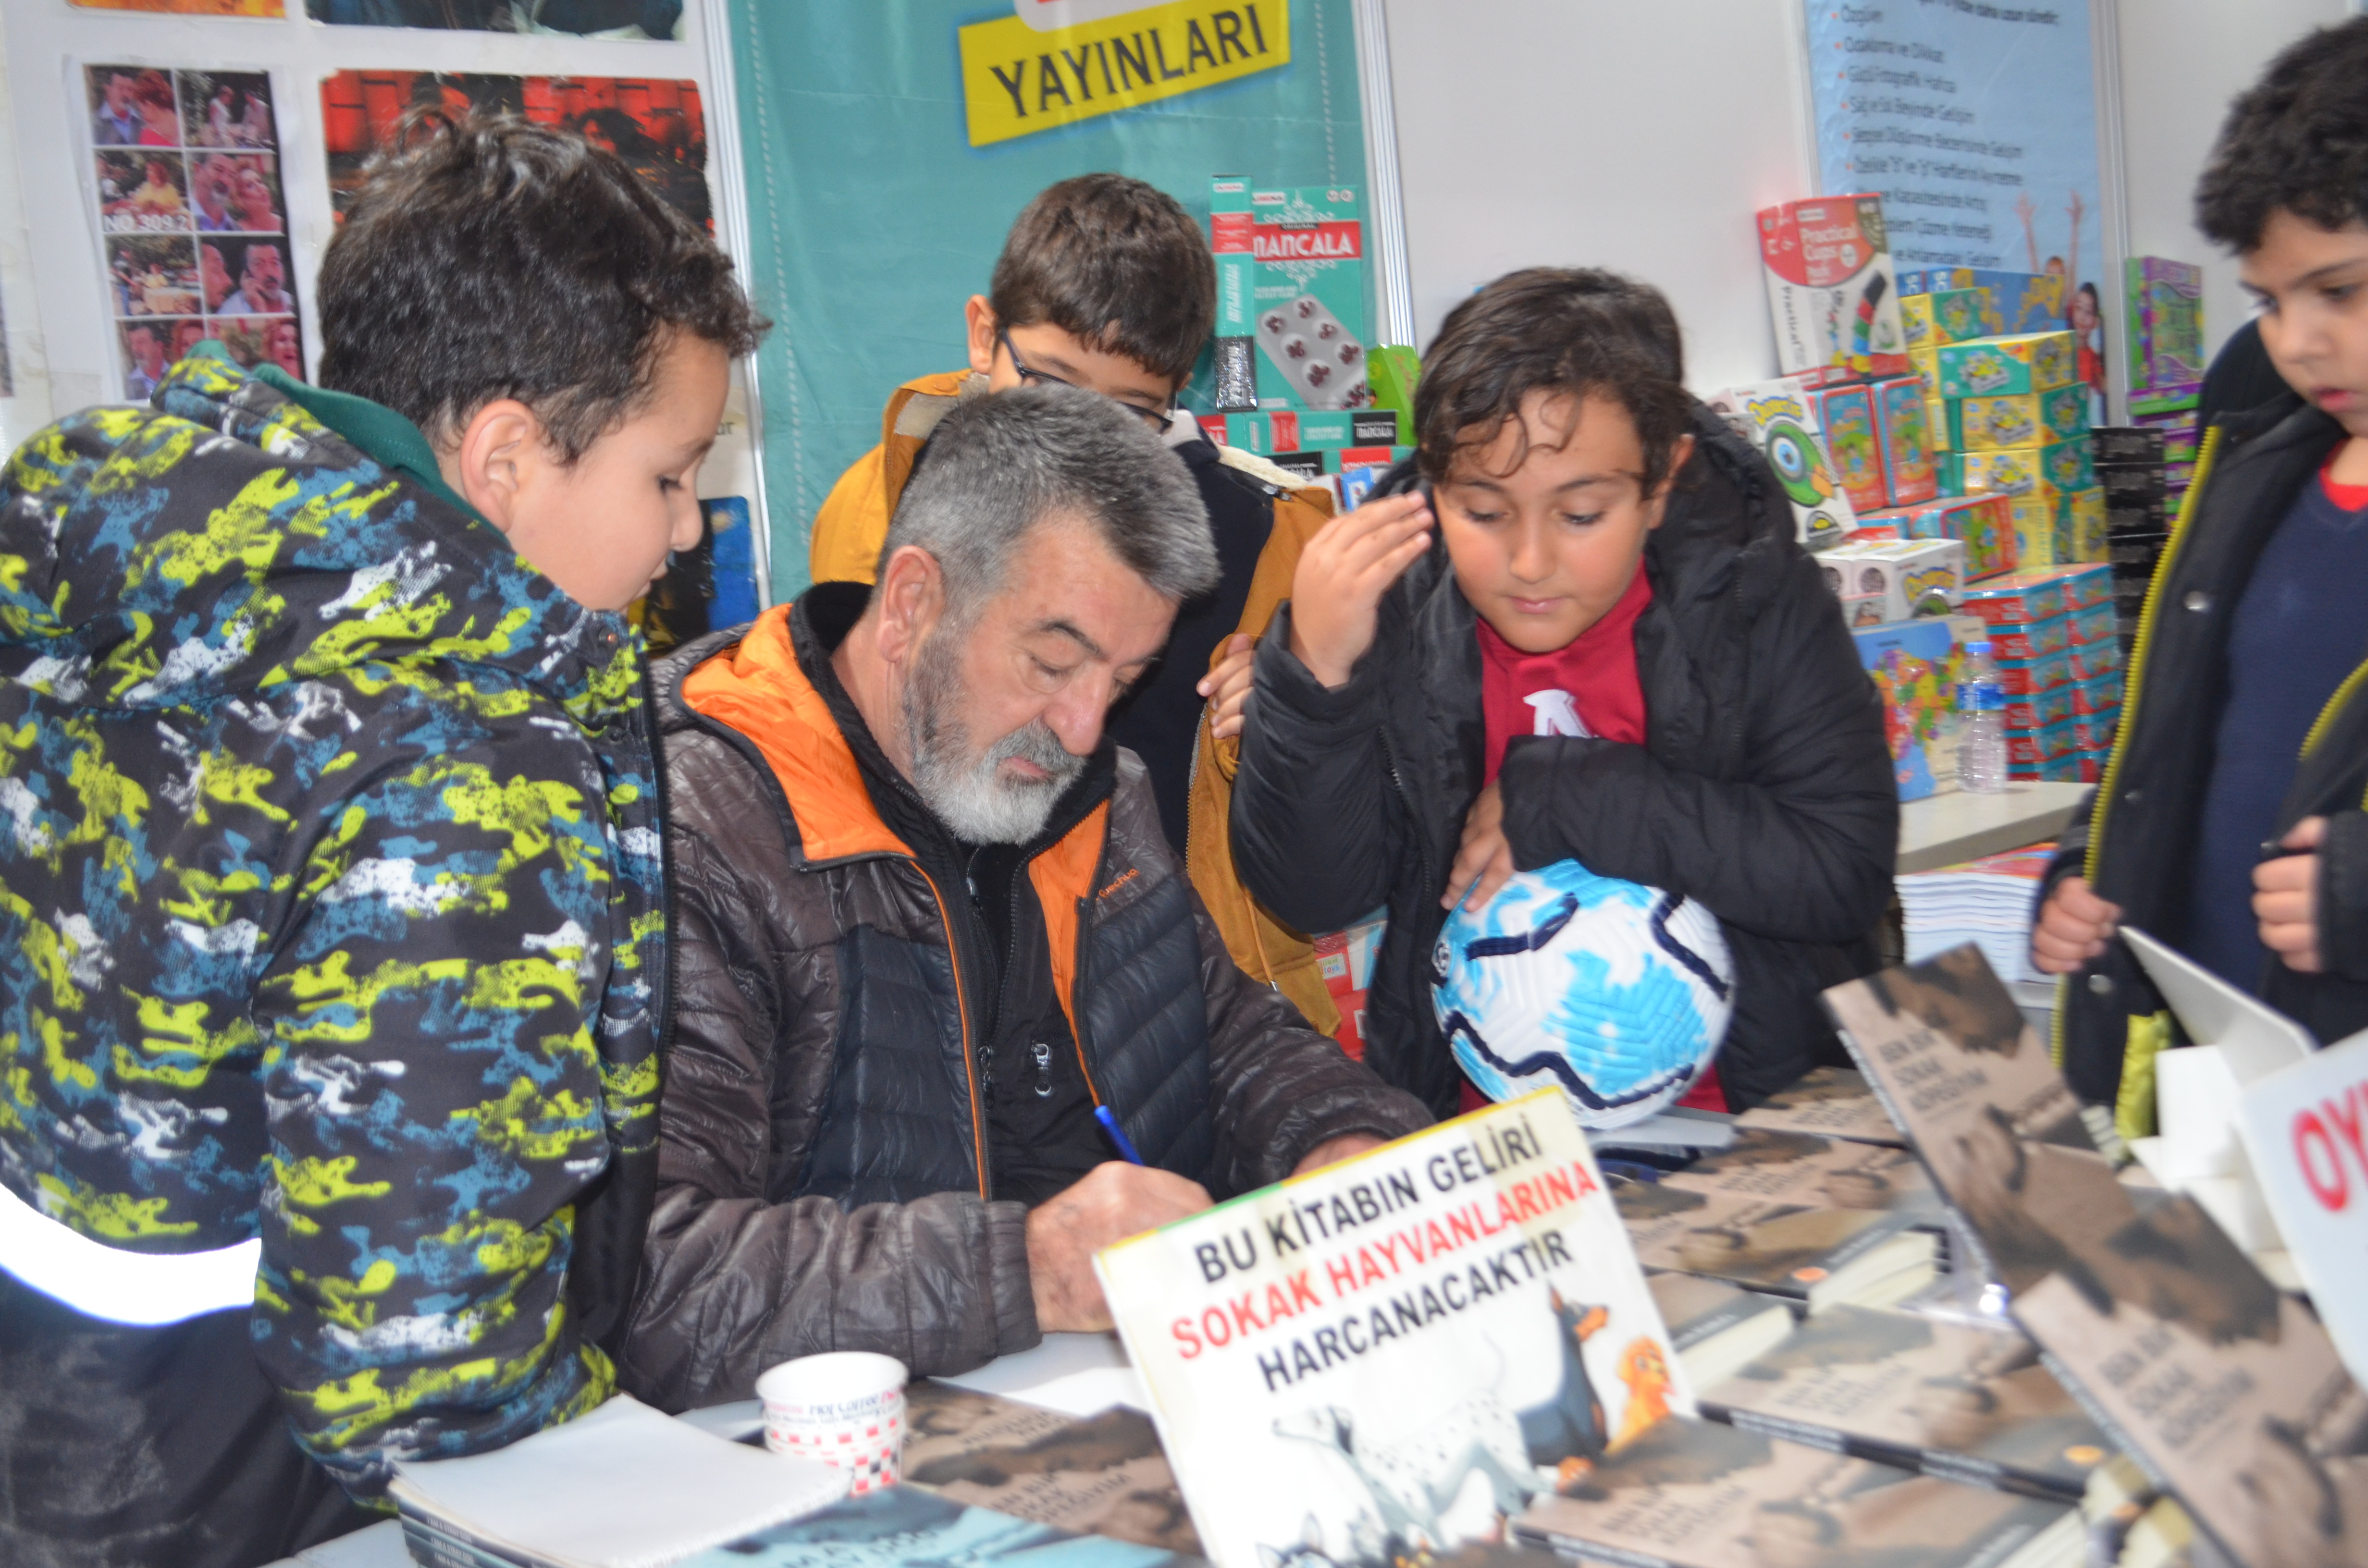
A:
x: 822, y: 1182
x: 1763, y: 789
x: 2135, y: 838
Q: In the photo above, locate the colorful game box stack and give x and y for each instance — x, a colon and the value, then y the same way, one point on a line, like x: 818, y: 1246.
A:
x: 2129, y: 467
x: 2018, y: 422
x: 1780, y: 418
x: 2010, y: 526
x: 2052, y: 632
x: 2166, y: 339
x: 1850, y: 429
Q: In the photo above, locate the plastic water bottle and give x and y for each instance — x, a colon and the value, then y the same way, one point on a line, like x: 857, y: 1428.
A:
x: 1981, y: 734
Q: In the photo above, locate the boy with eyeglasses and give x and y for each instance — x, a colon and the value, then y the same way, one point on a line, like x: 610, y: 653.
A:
x: 1105, y: 283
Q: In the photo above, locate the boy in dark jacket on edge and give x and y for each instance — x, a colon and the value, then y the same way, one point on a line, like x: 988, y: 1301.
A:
x: 2229, y: 821
x: 1600, y: 535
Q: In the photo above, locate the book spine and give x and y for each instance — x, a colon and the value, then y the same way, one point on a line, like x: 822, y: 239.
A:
x: 1589, y: 1551
x: 443, y: 1544
x: 1865, y: 1242
x: 1695, y: 1330
x: 1783, y: 1426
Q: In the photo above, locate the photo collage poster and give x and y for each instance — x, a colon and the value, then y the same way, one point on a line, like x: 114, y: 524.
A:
x: 565, y: 18
x: 655, y: 124
x: 191, y: 7
x: 192, y: 218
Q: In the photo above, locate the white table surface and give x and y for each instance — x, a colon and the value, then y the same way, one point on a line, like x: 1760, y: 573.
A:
x: 1077, y: 1374
x: 1942, y: 830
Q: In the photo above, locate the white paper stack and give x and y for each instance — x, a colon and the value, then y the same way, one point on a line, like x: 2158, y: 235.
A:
x: 1988, y: 902
x: 623, y: 1487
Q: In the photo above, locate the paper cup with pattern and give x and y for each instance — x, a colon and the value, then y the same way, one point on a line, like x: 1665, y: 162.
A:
x: 846, y: 1408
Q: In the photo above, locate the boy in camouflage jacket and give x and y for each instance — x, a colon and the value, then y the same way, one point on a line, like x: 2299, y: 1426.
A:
x: 332, y: 918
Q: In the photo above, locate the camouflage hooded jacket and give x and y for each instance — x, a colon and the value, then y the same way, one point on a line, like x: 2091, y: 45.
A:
x: 330, y: 902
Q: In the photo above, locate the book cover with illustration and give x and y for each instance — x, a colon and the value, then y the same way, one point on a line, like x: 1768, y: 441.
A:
x: 1962, y: 1069
x: 905, y: 1526
x: 1702, y: 1495
x: 1962, y: 1403
x: 1100, y: 1474
x: 1390, y: 1356
x: 1814, y: 1256
x: 2224, y: 1387
x: 1824, y: 1173
x: 1833, y: 1102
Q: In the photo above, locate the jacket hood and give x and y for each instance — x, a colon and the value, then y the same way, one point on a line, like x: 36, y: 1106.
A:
x: 133, y: 578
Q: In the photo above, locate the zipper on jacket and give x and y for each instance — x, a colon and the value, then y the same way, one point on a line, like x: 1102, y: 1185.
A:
x: 1077, y: 974
x: 1406, y: 798
x: 2335, y: 705
x: 2134, y: 685
x: 663, y: 1045
x: 961, y: 1001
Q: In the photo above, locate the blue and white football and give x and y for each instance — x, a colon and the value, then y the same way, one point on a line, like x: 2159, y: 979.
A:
x: 1618, y: 993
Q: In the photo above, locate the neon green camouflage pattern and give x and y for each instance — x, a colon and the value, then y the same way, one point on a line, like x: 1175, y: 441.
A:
x: 331, y: 904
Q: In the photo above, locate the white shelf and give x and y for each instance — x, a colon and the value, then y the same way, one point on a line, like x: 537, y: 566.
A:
x: 1942, y: 830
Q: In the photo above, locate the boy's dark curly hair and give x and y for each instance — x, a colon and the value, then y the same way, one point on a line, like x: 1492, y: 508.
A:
x: 1116, y: 264
x: 1576, y: 332
x: 491, y: 258
x: 2297, y: 140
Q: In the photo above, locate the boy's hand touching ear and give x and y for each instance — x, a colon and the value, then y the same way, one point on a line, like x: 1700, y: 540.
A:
x: 1343, y: 574
x: 1227, y: 686
x: 1484, y: 855
x: 2285, y: 897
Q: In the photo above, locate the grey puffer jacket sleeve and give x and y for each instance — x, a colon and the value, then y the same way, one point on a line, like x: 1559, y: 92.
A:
x: 733, y: 1283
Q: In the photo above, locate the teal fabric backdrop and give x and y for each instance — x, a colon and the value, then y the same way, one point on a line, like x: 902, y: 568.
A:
x: 871, y: 218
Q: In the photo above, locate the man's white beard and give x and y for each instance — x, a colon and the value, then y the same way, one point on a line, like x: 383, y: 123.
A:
x: 967, y: 789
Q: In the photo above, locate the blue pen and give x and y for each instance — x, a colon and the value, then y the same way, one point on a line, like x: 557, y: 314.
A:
x: 1109, y: 1125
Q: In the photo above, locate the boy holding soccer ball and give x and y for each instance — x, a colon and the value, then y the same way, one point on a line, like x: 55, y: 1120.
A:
x: 1574, y: 625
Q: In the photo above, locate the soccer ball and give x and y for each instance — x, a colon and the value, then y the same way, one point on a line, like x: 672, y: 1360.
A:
x: 1619, y: 994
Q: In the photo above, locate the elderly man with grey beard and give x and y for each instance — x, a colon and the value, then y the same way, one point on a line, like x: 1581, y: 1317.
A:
x: 926, y: 925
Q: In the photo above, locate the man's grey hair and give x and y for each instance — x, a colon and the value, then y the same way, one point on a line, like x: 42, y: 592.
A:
x: 999, y: 466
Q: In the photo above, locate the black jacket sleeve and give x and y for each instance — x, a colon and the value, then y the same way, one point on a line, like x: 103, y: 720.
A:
x: 2343, y: 896
x: 1317, y: 829
x: 1800, y: 848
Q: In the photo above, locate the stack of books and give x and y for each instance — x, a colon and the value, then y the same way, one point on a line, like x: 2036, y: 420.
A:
x: 1988, y: 902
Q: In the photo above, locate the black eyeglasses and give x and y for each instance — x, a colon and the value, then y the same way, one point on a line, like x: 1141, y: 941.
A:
x: 1154, y: 418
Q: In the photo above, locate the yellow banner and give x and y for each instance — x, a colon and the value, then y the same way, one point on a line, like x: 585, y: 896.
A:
x: 1017, y: 81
